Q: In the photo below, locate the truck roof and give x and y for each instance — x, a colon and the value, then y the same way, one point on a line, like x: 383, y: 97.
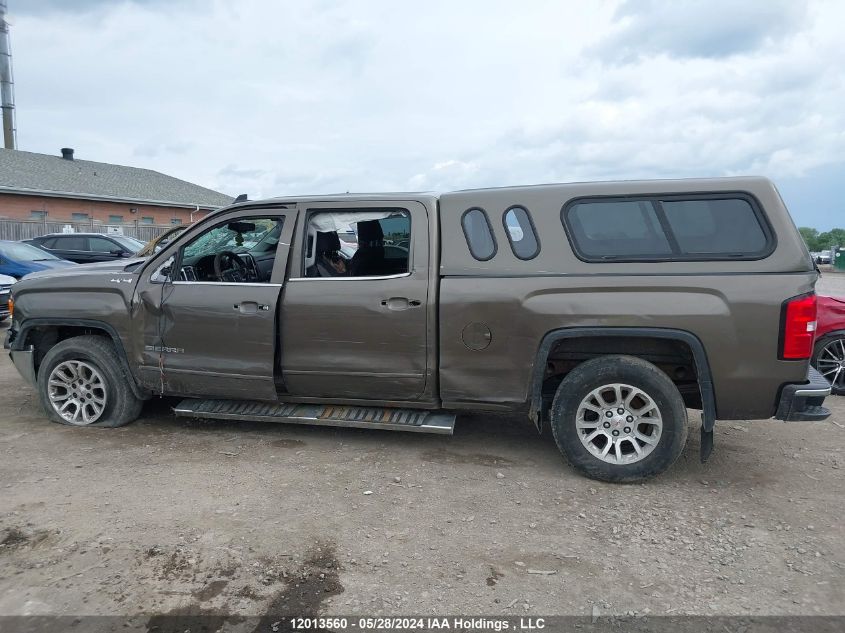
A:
x: 690, y: 184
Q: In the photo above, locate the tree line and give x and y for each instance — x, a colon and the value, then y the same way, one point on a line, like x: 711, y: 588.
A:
x: 816, y: 241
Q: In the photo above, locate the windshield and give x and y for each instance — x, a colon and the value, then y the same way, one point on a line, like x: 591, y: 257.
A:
x: 157, y: 243
x: 24, y: 252
x: 263, y: 238
x: 129, y: 243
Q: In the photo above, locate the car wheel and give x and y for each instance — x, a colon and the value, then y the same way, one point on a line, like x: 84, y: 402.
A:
x: 619, y: 419
x: 81, y: 383
x: 829, y: 359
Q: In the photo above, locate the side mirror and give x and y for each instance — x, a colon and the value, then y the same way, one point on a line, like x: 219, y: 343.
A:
x: 162, y: 274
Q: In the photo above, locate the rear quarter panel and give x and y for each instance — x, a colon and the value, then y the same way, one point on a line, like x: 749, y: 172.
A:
x: 733, y: 307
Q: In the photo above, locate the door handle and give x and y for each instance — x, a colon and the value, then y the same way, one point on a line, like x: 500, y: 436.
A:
x: 400, y: 303
x: 250, y: 307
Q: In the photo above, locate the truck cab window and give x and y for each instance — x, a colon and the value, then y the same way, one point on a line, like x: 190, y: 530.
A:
x: 359, y: 243
x: 237, y: 251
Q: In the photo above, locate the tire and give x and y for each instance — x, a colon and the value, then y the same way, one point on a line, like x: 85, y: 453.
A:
x: 824, y: 360
x: 655, y: 403
x: 87, y: 370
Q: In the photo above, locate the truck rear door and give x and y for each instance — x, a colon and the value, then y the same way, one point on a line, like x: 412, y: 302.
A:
x: 356, y: 315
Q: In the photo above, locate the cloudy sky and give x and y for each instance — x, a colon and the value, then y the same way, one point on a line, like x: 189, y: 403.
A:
x: 271, y: 98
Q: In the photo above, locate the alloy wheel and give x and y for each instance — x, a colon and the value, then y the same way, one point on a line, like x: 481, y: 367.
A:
x: 618, y: 423
x: 77, y: 392
x: 831, y: 363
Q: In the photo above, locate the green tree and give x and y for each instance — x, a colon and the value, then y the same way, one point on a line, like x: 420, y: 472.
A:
x: 816, y: 241
x: 811, y: 238
x: 837, y: 238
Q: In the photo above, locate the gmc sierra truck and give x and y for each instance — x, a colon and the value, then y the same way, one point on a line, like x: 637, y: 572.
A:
x: 603, y: 310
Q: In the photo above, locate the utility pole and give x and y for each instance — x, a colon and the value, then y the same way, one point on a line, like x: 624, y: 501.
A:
x: 7, y: 84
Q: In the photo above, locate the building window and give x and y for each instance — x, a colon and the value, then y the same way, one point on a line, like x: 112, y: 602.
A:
x: 175, y: 221
x: 115, y: 219
x: 79, y: 217
x: 147, y: 220
x: 38, y: 215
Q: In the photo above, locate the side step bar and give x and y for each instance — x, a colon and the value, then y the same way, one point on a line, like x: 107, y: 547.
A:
x: 415, y: 420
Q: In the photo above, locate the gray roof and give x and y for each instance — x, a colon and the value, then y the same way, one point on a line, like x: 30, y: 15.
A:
x: 43, y: 174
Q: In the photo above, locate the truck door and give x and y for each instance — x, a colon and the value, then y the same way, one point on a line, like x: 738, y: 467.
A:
x: 211, y: 307
x: 355, y: 319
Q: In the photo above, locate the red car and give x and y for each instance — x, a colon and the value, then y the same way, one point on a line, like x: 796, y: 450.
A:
x: 829, y: 352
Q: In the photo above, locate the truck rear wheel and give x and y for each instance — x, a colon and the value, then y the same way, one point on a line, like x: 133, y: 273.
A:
x: 81, y: 383
x: 619, y: 419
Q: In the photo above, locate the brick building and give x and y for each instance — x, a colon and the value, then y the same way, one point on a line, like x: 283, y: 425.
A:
x: 61, y: 189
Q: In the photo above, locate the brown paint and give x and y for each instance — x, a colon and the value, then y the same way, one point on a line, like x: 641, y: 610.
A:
x: 338, y: 340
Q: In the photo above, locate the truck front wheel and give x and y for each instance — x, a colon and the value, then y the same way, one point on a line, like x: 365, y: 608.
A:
x: 81, y: 383
x: 619, y: 419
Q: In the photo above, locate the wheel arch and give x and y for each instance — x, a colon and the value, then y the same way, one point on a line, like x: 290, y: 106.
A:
x: 48, y: 331
x: 839, y: 333
x: 554, y: 337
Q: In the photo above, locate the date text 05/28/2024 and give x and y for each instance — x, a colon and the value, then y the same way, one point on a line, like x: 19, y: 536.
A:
x: 416, y: 623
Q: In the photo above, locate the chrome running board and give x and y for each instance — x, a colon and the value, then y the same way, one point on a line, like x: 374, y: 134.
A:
x: 414, y: 420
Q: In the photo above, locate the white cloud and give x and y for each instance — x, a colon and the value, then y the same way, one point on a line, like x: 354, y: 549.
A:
x: 700, y: 28
x: 280, y: 98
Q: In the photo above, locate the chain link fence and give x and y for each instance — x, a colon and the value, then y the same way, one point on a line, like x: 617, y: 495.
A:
x: 27, y: 229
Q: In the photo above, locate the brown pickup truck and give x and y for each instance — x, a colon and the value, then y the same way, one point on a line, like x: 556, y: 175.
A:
x: 604, y: 310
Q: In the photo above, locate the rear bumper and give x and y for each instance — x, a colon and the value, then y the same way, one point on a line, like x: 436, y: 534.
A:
x: 803, y: 402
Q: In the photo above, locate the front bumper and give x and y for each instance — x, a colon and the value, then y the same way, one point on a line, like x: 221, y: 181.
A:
x: 23, y: 359
x: 803, y: 402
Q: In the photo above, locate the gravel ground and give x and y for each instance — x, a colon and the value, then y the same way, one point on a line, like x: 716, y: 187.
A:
x: 176, y: 517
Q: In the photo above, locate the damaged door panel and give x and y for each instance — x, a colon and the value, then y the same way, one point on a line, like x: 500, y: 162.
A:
x: 212, y: 329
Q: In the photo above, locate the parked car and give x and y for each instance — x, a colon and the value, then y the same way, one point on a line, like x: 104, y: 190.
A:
x: 84, y: 248
x: 829, y: 350
x: 603, y: 310
x: 5, y: 294
x: 823, y: 257
x: 18, y: 259
x: 157, y: 243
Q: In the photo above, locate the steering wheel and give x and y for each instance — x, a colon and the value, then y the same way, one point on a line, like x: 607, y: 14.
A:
x: 229, y: 267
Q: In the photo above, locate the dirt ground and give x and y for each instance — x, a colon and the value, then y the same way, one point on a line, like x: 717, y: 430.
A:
x: 167, y: 516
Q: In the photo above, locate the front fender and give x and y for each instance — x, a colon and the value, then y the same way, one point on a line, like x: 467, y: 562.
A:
x: 20, y: 347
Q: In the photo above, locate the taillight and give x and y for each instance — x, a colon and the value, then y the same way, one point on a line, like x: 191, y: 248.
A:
x: 798, y: 327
